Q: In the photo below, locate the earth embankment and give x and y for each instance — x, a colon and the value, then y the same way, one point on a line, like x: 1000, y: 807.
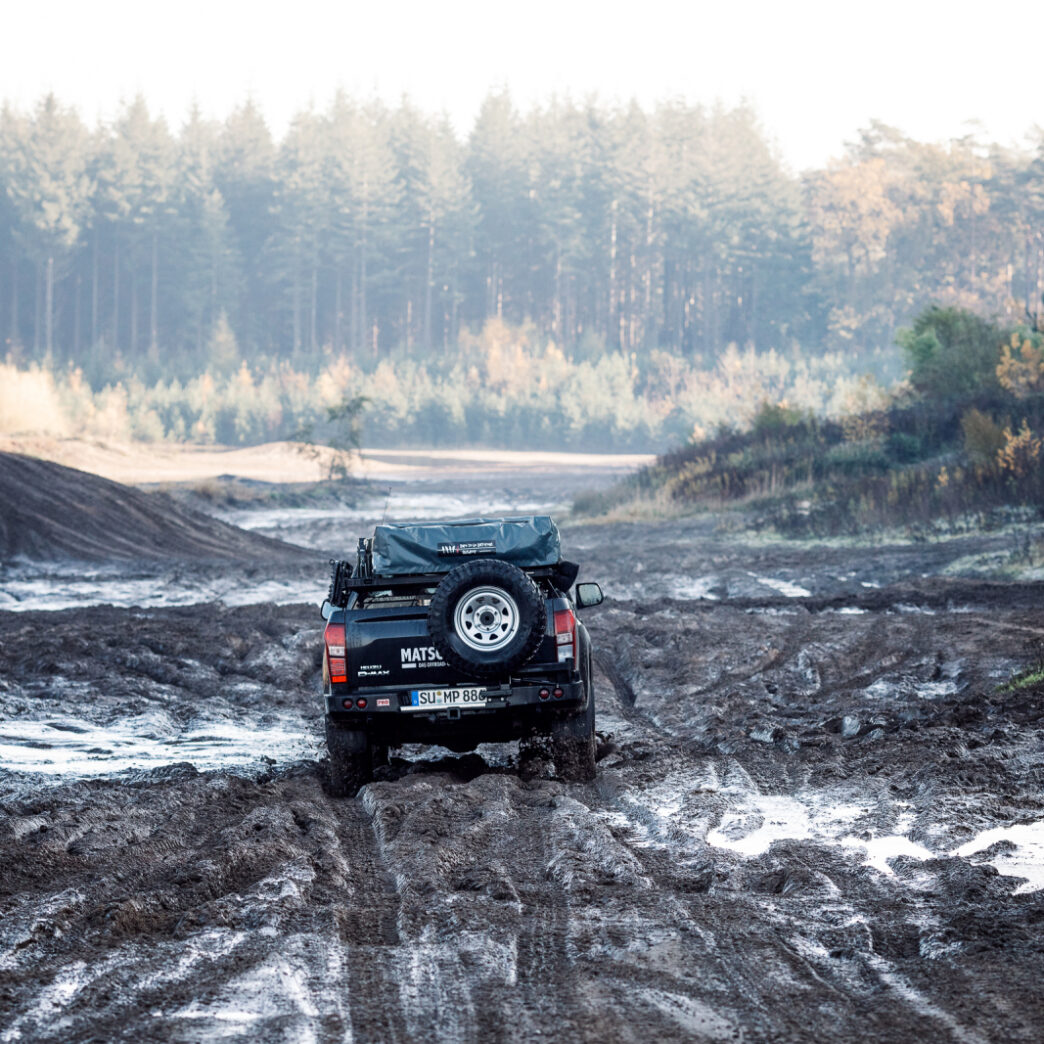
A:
x: 50, y: 512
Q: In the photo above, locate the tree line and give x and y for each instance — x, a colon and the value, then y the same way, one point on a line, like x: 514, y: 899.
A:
x: 368, y: 230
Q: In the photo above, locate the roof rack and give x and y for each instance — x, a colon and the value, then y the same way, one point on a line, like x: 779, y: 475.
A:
x: 368, y: 583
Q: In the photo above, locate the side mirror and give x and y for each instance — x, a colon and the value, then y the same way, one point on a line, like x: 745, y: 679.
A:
x: 327, y: 609
x: 588, y: 595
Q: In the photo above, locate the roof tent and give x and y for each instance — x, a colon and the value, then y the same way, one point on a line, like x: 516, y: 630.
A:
x: 401, y: 549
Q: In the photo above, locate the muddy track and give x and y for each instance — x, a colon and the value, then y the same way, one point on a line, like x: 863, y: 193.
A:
x: 770, y: 851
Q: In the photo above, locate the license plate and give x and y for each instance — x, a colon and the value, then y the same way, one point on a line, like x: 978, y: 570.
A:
x: 434, y: 699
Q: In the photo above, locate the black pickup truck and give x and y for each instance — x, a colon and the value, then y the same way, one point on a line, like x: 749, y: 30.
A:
x: 457, y: 633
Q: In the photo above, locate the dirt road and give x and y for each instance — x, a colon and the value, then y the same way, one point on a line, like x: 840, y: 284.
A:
x: 817, y: 816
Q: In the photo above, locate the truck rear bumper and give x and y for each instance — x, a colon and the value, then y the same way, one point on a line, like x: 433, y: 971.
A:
x: 509, y: 712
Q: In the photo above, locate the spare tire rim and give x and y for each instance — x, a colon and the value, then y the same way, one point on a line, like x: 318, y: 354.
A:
x: 487, y: 619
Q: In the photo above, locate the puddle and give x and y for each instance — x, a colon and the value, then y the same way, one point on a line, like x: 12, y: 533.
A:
x: 686, y: 588
x: 787, y: 588
x: 30, y: 589
x: 760, y: 820
x: 763, y: 819
x: 679, y: 588
x: 341, y: 526
x: 909, y: 688
x: 57, y: 747
x: 880, y: 850
x: 1026, y: 860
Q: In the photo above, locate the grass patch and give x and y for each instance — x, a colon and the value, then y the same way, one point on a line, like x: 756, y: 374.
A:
x: 917, y: 467
x: 1030, y: 678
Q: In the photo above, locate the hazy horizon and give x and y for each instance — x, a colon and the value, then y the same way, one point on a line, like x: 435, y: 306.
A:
x: 813, y: 74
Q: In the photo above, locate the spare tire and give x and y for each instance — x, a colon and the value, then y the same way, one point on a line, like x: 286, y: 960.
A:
x: 486, y: 618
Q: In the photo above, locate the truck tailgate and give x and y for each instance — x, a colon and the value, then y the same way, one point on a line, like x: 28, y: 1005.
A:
x: 393, y: 647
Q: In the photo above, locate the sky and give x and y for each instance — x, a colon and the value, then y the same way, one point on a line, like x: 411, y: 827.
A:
x: 815, y: 72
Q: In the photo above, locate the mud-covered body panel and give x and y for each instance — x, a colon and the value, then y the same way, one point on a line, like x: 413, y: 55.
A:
x: 514, y: 710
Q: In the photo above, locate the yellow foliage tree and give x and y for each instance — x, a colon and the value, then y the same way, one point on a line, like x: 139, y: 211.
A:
x: 1021, y: 367
x: 1020, y: 454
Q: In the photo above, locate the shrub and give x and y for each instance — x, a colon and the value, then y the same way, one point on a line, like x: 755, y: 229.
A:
x: 773, y: 419
x: 904, y: 448
x: 983, y: 439
x: 952, y: 353
x: 30, y: 402
x: 1020, y: 454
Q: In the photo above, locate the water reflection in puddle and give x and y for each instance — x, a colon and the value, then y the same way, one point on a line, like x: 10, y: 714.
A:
x: 879, y: 851
x: 760, y: 820
x: 1021, y: 856
x: 59, y: 747
x: 787, y: 588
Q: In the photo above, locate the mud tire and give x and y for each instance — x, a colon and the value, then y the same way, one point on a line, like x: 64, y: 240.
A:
x: 351, y: 760
x: 456, y: 585
x: 574, y: 744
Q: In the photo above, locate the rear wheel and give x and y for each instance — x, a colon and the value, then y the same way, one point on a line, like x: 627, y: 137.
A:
x: 573, y: 740
x: 380, y: 755
x: 351, y: 759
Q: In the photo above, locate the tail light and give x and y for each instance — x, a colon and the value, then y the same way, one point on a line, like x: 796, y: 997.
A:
x: 565, y: 634
x: 335, y: 659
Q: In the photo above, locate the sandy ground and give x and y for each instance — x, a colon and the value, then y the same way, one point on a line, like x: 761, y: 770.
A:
x: 152, y: 463
x: 818, y: 816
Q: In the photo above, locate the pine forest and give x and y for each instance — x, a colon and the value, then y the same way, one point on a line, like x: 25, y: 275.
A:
x: 577, y: 274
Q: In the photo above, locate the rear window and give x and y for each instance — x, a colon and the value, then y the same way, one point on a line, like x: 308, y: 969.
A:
x: 396, y: 598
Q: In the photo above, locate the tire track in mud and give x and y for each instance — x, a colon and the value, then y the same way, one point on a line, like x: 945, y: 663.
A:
x: 277, y: 918
x: 474, y: 916
x: 368, y: 926
x: 336, y: 958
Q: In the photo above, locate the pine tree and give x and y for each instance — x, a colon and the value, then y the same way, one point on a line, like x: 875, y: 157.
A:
x: 209, y: 283
x: 434, y: 219
x: 11, y: 251
x: 49, y: 187
x: 365, y: 232
x: 498, y: 168
x: 135, y: 184
x: 302, y: 212
x: 245, y: 175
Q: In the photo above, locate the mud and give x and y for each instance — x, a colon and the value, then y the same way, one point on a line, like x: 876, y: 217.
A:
x: 817, y: 816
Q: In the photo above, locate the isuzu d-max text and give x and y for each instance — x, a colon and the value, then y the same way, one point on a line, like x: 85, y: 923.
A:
x: 457, y: 633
